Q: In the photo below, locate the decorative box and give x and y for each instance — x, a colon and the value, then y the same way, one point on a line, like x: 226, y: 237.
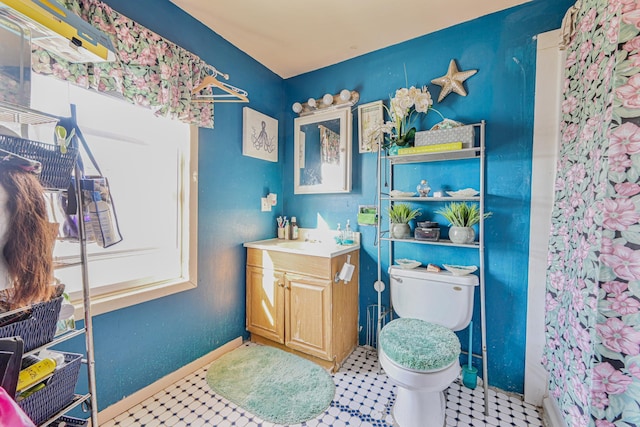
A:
x: 427, y: 224
x: 462, y: 134
x: 427, y: 234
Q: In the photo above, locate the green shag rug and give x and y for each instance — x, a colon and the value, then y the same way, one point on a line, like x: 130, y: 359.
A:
x: 275, y: 385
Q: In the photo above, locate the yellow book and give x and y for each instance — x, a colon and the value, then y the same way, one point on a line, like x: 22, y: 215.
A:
x: 449, y: 146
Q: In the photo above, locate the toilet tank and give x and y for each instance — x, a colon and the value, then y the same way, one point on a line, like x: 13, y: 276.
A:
x: 440, y: 298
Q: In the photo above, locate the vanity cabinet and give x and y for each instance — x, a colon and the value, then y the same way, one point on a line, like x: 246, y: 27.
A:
x: 294, y: 303
x: 265, y: 303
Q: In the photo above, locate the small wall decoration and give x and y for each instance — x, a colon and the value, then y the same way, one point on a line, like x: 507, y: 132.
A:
x: 452, y: 81
x: 370, y: 121
x: 259, y: 136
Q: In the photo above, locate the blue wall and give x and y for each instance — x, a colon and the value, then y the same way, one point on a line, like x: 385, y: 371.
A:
x: 502, y: 48
x: 140, y: 344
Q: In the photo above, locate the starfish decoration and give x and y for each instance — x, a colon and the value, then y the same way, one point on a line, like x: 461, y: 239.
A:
x: 452, y: 81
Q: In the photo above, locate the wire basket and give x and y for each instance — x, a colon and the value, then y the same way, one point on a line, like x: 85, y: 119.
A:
x: 69, y: 422
x: 38, y: 325
x: 58, y: 392
x: 57, y: 167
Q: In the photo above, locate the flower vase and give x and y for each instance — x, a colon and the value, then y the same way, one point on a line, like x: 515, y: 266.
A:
x: 400, y: 231
x: 462, y: 235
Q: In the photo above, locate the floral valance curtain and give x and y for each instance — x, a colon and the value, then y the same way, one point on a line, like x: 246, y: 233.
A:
x: 149, y: 71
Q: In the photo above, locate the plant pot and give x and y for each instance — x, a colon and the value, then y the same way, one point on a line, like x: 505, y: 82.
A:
x: 400, y: 231
x: 462, y: 235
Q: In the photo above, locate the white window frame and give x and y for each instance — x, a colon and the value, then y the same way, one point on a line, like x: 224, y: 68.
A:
x: 137, y: 293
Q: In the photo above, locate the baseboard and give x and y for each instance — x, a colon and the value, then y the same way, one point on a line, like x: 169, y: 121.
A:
x: 130, y: 401
x: 551, y: 413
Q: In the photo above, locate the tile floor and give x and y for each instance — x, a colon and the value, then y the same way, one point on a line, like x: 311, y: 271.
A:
x: 364, y: 398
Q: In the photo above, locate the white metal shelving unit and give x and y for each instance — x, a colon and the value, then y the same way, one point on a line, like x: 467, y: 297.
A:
x: 25, y: 117
x: 476, y: 152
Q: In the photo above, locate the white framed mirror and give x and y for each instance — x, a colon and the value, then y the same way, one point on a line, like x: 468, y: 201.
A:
x: 322, y: 152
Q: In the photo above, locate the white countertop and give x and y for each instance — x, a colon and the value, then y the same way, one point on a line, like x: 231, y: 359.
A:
x: 326, y: 249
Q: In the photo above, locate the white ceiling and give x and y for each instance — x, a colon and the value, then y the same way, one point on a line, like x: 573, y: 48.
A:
x: 292, y: 37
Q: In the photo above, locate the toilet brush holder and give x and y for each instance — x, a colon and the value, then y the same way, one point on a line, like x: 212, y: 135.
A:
x: 469, y: 372
x: 469, y: 376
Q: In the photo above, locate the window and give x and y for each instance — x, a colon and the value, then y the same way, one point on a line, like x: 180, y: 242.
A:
x: 150, y: 163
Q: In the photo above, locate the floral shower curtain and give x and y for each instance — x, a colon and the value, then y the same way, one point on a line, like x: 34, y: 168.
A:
x: 149, y: 71
x: 593, y: 282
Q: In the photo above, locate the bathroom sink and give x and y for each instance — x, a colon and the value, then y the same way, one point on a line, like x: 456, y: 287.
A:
x: 327, y: 248
x: 295, y: 244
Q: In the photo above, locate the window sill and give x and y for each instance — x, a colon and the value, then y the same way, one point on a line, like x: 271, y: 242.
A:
x: 111, y: 302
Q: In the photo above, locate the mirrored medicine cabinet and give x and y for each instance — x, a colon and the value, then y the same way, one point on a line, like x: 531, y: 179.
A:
x: 322, y: 152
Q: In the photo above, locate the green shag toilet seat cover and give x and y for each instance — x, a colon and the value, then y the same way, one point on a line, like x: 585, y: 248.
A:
x: 419, y: 345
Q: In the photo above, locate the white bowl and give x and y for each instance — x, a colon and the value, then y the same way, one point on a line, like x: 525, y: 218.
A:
x: 460, y: 270
x: 398, y: 193
x: 467, y: 192
x: 408, y: 264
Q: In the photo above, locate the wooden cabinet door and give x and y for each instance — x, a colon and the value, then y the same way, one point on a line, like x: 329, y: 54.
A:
x: 308, y: 315
x: 265, y: 303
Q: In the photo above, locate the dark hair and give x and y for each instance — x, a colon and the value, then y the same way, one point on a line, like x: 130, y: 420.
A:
x: 30, y: 239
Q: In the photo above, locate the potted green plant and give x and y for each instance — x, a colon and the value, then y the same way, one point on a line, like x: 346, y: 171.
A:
x: 400, y: 214
x: 462, y: 217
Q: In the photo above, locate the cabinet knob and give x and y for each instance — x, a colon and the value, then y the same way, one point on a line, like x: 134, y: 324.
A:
x: 280, y: 284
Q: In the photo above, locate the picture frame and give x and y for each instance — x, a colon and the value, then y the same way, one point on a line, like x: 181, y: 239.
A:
x: 259, y: 135
x: 370, y: 121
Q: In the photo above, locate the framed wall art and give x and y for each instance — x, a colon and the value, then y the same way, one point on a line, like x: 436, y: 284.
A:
x: 259, y: 135
x: 370, y: 121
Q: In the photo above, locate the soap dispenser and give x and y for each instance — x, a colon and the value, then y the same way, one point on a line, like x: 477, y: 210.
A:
x: 348, y: 234
x: 294, y: 228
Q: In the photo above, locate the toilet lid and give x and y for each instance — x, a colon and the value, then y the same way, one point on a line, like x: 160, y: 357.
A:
x: 419, y: 345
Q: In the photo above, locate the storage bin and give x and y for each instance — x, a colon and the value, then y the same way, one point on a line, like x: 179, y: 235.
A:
x: 56, y: 166
x: 39, y: 328
x: 69, y: 422
x: 462, y: 134
x: 427, y: 233
x: 58, y: 393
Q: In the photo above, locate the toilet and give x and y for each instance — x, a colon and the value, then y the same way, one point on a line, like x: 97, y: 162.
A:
x: 418, y: 350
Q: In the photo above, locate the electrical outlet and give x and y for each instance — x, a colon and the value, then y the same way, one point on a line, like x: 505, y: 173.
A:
x: 265, y: 204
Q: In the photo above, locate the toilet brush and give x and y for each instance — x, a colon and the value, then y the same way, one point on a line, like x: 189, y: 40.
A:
x: 470, y: 373
x: 470, y: 344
